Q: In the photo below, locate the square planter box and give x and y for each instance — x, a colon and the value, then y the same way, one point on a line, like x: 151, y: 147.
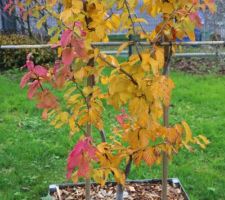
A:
x: 175, y: 182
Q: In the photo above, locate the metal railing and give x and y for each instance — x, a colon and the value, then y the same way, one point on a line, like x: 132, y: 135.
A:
x: 144, y: 44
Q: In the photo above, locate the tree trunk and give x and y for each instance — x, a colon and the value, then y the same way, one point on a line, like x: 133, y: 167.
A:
x: 88, y: 189
x: 29, y: 27
x: 91, y: 83
x: 9, y: 24
x: 119, y: 187
x: 165, y: 157
x: 167, y: 56
x: 119, y: 192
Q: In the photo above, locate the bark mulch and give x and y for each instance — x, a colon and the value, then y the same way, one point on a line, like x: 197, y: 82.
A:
x: 133, y: 191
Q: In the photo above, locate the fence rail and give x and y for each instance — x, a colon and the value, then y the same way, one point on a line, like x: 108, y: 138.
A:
x: 132, y: 43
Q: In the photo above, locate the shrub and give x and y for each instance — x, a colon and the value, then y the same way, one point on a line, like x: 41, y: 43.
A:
x: 11, y: 58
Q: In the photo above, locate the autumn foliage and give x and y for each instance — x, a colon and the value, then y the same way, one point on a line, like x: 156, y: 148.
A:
x: 137, y: 87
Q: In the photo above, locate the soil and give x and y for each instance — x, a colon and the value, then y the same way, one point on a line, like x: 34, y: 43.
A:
x: 133, y: 191
x: 199, y: 65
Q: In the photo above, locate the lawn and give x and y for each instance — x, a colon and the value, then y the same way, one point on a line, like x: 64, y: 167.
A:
x: 33, y: 154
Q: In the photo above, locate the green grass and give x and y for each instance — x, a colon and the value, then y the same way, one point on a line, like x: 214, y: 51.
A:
x: 33, y: 154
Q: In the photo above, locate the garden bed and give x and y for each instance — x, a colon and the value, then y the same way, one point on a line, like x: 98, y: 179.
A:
x: 208, y: 65
x: 134, y: 190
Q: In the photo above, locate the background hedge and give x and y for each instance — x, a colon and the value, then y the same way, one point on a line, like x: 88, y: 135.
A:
x: 15, y: 58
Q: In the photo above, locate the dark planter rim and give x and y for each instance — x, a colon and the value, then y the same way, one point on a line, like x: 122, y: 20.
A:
x: 171, y: 181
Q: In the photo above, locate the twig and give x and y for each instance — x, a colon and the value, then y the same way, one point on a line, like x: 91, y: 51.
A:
x: 103, y: 136
x: 128, y: 166
x: 133, y: 28
x: 121, y: 70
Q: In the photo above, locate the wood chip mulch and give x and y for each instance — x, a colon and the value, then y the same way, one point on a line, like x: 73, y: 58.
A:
x: 133, y: 191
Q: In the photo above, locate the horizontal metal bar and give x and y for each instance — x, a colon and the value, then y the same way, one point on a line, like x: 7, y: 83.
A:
x: 99, y: 44
x: 176, y: 54
x: 114, y: 52
x: 36, y: 46
x: 196, y: 43
x: 198, y: 54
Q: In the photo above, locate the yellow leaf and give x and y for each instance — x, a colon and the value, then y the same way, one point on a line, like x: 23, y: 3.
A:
x: 145, y: 64
x: 67, y: 3
x: 159, y: 55
x: 140, y: 20
x: 59, y: 51
x: 143, y: 138
x: 133, y: 59
x: 154, y: 66
x: 64, y: 117
x: 172, y: 135
x: 69, y: 92
x: 59, y: 125
x: 138, y: 157
x: 77, y: 6
x: 119, y: 175
x: 87, y: 90
x: 55, y: 38
x: 66, y: 14
x: 75, y: 177
x: 73, y: 99
x: 101, y: 175
x: 72, y: 124
x: 41, y: 21
x: 104, y: 80
x: 204, y: 139
x: 80, y: 74
x: 52, y: 30
x: 122, y: 47
x: 100, y: 31
x: 189, y: 27
x: 149, y: 156
x: 83, y: 120
x: 167, y: 8
x: 188, y: 136
x: 115, y: 21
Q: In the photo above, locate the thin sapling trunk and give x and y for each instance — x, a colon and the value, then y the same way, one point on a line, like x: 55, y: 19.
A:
x: 119, y: 187
x: 91, y: 83
x: 167, y: 55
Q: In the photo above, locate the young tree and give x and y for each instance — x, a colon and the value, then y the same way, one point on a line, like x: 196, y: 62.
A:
x: 140, y: 86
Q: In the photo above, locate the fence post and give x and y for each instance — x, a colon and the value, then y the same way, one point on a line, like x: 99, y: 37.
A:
x: 130, y: 46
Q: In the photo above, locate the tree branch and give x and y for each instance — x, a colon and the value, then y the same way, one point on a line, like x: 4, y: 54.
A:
x: 121, y: 70
x: 133, y: 27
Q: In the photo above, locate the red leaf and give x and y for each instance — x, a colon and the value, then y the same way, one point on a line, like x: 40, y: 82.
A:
x: 30, y: 65
x: 46, y: 100
x: 66, y: 38
x: 195, y: 2
x: 79, y: 47
x: 25, y: 79
x: 121, y: 118
x: 80, y: 157
x: 45, y: 114
x: 79, y: 26
x: 195, y: 17
x: 56, y: 67
x: 8, y: 5
x: 33, y: 88
x: 67, y: 56
x: 29, y: 57
x: 21, y: 11
x: 40, y: 71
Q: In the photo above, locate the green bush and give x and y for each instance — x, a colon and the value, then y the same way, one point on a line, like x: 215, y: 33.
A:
x: 11, y: 58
